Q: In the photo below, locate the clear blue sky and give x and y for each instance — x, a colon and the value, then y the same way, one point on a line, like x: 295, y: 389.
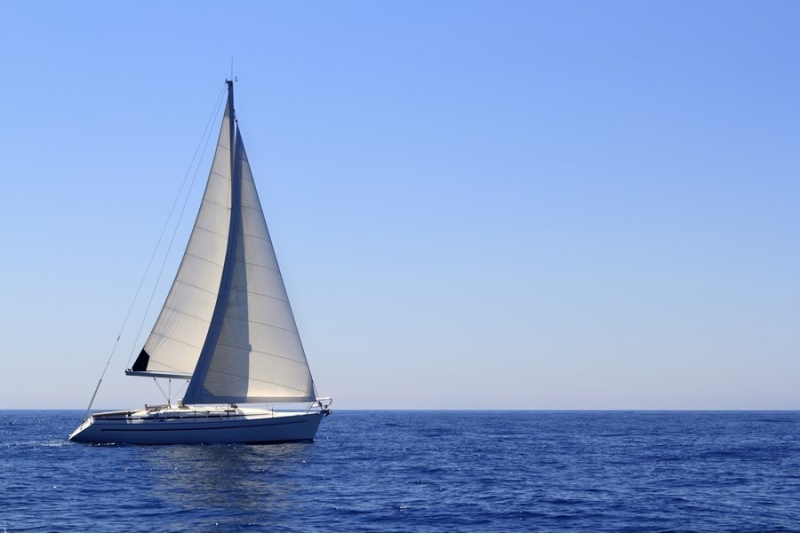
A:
x: 479, y: 205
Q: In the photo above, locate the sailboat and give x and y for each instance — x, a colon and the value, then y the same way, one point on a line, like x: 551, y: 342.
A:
x: 226, y: 326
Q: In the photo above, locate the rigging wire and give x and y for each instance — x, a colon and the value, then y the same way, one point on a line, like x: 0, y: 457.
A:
x: 168, y: 395
x: 160, y: 389
x: 204, y: 143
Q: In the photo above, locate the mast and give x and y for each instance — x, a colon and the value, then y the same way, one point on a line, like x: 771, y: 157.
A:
x: 232, y: 126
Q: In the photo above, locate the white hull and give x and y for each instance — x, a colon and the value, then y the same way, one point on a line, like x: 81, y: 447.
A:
x: 187, y: 425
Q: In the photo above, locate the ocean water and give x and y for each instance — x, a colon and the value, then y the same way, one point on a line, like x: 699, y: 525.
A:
x: 414, y: 471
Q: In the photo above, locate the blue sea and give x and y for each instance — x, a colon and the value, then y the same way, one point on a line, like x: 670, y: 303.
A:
x: 418, y: 471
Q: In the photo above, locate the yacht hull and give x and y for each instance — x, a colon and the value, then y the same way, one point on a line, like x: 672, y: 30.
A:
x: 142, y: 428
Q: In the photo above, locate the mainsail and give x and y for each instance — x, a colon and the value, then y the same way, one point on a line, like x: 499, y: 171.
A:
x: 227, y: 321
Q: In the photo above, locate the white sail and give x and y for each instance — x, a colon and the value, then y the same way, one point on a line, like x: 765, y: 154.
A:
x: 227, y: 320
x: 257, y: 355
x: 179, y: 333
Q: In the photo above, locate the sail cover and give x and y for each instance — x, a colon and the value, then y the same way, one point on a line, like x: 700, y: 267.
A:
x: 234, y: 328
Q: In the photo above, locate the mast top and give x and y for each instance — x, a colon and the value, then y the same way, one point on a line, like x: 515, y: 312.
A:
x: 230, y: 97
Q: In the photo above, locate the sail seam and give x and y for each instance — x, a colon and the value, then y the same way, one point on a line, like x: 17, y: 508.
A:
x: 179, y: 281
x: 250, y: 292
x: 203, y: 259
x: 254, y: 236
x: 162, y: 336
x: 304, y: 362
x: 210, y: 231
x: 257, y: 209
x: 163, y: 365
x: 258, y: 265
x: 220, y: 204
x: 232, y: 318
x: 176, y: 310
x: 221, y: 176
x: 257, y: 380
